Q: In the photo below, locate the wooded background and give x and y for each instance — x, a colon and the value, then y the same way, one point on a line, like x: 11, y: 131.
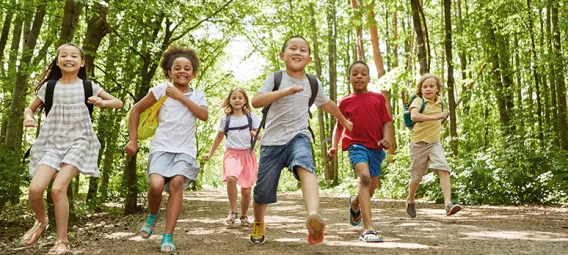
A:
x: 502, y: 62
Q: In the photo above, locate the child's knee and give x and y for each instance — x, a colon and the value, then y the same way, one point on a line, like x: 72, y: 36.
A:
x: 176, y: 184
x: 365, y: 180
x: 417, y: 179
x: 231, y: 180
x: 58, y: 191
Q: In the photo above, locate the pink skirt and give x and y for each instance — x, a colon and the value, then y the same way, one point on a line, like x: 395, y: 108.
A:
x: 241, y: 165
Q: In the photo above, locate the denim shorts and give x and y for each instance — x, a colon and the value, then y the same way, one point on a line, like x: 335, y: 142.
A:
x: 296, y: 153
x: 373, y: 157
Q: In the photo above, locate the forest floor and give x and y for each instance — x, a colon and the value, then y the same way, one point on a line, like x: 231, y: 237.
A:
x: 200, y: 230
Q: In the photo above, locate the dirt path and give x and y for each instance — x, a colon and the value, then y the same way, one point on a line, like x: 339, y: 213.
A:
x: 200, y: 230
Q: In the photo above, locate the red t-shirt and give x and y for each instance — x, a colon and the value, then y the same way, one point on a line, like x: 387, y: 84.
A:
x: 368, y: 112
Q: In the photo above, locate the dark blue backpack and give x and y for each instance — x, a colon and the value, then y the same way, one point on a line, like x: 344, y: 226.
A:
x: 407, y: 119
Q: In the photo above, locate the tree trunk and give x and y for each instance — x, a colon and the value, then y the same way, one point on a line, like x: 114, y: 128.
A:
x: 71, y: 13
x: 322, y: 134
x: 534, y: 66
x: 332, y: 54
x: 499, y: 91
x: 377, y: 57
x: 5, y: 32
x: 395, y: 38
x: 15, y: 122
x: 558, y: 68
x: 130, y: 202
x: 420, y: 37
x: 97, y: 29
x: 359, y: 30
x: 552, y: 79
x: 450, y: 82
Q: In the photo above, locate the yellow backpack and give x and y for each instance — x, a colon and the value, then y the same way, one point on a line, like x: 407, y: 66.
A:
x: 148, y: 122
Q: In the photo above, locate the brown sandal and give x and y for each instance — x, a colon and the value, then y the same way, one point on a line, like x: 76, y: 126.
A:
x: 34, y: 234
x: 59, y: 248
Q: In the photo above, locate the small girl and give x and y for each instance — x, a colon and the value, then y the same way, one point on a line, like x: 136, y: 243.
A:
x: 426, y: 151
x: 171, y: 164
x: 239, y: 126
x: 66, y: 144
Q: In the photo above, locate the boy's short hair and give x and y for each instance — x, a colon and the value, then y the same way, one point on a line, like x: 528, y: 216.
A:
x: 358, y: 62
x: 175, y: 52
x: 292, y: 37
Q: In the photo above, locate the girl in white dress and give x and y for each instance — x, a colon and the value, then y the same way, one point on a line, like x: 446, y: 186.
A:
x: 66, y: 144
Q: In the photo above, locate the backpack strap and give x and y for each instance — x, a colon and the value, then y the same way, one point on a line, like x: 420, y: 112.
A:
x: 49, y: 96
x: 227, y: 121
x: 277, y: 81
x: 423, y: 105
x: 249, y: 119
x: 314, y: 88
x: 88, y: 88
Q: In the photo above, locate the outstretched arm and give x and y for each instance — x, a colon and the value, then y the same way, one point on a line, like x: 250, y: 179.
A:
x: 337, y: 133
x: 104, y: 99
x: 216, y: 143
x: 29, y: 120
x: 264, y: 99
x: 416, y: 116
x: 142, y: 105
x: 332, y: 109
x: 387, y: 129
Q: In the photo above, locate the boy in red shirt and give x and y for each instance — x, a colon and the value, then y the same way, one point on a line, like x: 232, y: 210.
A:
x: 365, y: 143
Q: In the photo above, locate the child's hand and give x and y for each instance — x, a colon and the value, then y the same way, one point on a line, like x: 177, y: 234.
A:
x: 95, y: 100
x: 131, y: 147
x: 443, y: 116
x: 30, y: 123
x: 208, y: 156
x: 385, y: 143
x: 332, y: 152
x: 295, y: 88
x: 174, y: 93
x: 253, y: 134
x: 347, y: 125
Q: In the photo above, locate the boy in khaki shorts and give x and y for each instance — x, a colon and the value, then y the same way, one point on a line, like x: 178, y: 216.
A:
x: 426, y: 151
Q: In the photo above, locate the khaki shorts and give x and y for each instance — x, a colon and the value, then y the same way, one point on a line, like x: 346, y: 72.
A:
x: 426, y: 156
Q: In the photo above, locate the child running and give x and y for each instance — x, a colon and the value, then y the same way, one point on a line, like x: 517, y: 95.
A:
x: 66, y: 144
x: 286, y: 142
x: 426, y: 151
x: 239, y: 126
x: 171, y: 163
x: 365, y: 143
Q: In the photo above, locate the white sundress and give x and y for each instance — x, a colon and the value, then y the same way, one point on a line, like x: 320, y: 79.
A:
x: 67, y: 135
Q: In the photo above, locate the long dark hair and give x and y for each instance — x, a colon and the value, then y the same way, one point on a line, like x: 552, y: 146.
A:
x: 53, y: 71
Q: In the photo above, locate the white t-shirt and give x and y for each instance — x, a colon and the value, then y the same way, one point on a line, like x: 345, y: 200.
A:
x: 238, y: 139
x: 176, y: 129
x: 288, y: 116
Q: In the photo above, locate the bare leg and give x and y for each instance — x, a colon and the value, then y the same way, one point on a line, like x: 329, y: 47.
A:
x: 412, y: 186
x: 446, y: 186
x: 245, y: 200
x: 174, y: 203
x: 363, y: 195
x: 41, y: 178
x: 60, y: 201
x: 232, y: 192
x: 155, y: 192
x: 310, y: 189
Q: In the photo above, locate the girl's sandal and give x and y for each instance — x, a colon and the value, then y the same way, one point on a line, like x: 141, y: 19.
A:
x: 32, y: 236
x: 230, y: 220
x: 59, y: 248
x: 167, y: 245
x: 149, y: 226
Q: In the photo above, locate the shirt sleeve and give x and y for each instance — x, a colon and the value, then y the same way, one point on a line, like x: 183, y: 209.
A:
x: 201, y: 100
x: 41, y: 92
x: 255, y: 121
x: 159, y: 91
x: 221, y: 127
x: 321, y: 97
x: 96, y: 89
x: 417, y: 103
x: 268, y: 84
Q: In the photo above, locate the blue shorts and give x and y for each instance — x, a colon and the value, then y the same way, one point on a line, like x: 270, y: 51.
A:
x: 296, y: 153
x: 373, y: 157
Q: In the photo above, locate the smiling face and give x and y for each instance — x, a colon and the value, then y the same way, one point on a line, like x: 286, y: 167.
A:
x: 237, y: 100
x: 429, y: 89
x: 359, y: 78
x: 296, y: 54
x: 69, y: 59
x: 182, y: 71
